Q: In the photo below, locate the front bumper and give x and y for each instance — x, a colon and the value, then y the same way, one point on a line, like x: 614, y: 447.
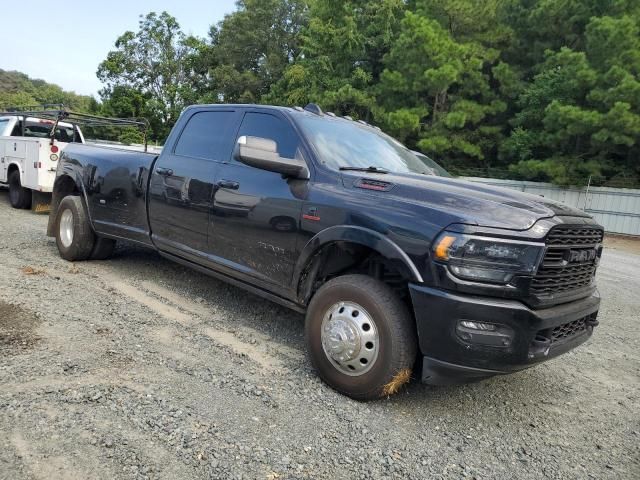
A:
x: 534, y: 335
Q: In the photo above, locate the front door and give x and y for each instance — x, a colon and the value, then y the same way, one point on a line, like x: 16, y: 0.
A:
x: 256, y: 213
x: 181, y: 188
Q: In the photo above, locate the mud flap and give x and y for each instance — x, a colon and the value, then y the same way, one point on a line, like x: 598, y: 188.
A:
x: 41, y: 202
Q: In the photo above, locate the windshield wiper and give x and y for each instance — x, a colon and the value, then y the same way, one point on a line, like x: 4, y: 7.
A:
x: 365, y: 169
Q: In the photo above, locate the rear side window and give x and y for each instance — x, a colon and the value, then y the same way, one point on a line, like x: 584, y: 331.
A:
x: 269, y: 126
x: 206, y: 135
x: 35, y: 129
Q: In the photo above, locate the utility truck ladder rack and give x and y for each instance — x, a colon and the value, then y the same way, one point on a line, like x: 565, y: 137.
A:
x: 59, y: 113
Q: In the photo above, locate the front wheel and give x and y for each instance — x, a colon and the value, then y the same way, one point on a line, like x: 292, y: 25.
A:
x: 361, y: 337
x: 19, y: 196
x: 74, y: 237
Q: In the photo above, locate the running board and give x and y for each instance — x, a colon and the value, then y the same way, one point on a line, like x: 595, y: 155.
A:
x: 236, y: 283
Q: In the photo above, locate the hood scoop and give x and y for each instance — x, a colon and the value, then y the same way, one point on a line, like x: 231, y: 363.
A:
x: 371, y: 184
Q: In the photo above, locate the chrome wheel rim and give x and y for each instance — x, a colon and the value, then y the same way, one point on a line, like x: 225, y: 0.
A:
x: 66, y: 228
x: 350, y: 338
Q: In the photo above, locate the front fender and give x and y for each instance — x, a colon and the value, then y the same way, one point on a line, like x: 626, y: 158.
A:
x: 361, y: 236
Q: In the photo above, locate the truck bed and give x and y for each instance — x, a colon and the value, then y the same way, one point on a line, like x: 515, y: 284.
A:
x: 116, y: 181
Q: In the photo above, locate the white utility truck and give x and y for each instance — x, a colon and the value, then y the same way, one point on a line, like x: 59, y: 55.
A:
x: 29, y: 151
x: 32, y: 140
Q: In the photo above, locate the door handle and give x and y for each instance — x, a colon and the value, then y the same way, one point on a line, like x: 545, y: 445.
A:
x: 230, y: 184
x: 165, y: 172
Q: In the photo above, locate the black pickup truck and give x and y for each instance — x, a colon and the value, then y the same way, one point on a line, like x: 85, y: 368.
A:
x: 395, y: 268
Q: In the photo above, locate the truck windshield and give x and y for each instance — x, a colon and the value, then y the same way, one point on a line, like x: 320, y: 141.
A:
x: 344, y: 143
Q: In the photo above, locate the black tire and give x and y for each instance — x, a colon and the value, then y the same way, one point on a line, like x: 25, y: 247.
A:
x: 102, y: 249
x: 82, y: 241
x: 19, y: 196
x: 396, y: 336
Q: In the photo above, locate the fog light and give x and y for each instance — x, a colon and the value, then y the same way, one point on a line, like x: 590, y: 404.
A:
x: 482, y: 274
x: 486, y: 334
x: 489, y: 327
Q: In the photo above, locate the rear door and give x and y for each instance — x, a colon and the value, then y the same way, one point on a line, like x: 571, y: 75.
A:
x: 256, y: 213
x: 181, y: 187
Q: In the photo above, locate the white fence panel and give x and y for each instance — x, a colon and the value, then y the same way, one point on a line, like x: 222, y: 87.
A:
x: 617, y: 209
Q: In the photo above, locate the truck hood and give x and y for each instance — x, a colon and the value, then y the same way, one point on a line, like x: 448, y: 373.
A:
x: 468, y: 202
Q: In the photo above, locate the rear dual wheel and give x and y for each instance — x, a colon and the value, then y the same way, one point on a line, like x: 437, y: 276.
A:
x: 75, y: 238
x: 361, y: 337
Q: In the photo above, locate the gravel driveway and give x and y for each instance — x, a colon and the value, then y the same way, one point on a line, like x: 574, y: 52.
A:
x: 139, y: 368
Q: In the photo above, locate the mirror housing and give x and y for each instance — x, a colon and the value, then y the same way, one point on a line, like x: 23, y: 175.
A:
x: 263, y: 153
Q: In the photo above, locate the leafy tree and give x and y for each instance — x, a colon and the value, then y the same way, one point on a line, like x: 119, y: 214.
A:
x: 447, y: 95
x: 580, y: 116
x: 541, y: 25
x: 342, y: 48
x: 249, y: 50
x: 18, y: 90
x: 153, y: 62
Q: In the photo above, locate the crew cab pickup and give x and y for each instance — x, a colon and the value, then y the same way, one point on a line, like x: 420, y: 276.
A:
x: 397, y: 270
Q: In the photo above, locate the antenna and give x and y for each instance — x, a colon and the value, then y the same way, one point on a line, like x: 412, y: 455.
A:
x: 313, y: 108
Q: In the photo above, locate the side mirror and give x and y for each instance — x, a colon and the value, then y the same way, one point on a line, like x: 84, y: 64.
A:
x: 263, y: 153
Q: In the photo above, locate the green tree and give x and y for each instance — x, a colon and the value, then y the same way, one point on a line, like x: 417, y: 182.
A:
x: 580, y: 116
x: 340, y: 63
x: 153, y: 62
x: 249, y: 50
x: 444, y: 89
x: 18, y: 90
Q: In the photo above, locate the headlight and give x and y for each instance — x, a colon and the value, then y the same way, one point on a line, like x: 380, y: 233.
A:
x: 485, y: 259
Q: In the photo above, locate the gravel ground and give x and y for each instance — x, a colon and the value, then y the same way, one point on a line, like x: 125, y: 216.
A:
x: 139, y: 368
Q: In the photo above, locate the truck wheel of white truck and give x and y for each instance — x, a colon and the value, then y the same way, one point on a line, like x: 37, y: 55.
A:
x: 19, y: 196
x: 74, y: 236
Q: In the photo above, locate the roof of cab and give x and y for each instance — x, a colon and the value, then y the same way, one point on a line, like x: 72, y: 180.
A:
x: 311, y: 109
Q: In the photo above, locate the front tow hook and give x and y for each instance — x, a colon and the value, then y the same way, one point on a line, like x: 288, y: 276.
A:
x: 540, y: 346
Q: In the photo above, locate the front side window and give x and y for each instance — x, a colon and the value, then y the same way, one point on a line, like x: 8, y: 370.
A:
x: 265, y: 125
x: 206, y: 135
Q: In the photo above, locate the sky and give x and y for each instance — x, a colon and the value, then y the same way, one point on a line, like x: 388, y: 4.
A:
x: 64, y: 42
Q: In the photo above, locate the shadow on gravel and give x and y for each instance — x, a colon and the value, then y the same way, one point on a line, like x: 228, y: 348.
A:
x: 17, y: 327
x: 242, y: 308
